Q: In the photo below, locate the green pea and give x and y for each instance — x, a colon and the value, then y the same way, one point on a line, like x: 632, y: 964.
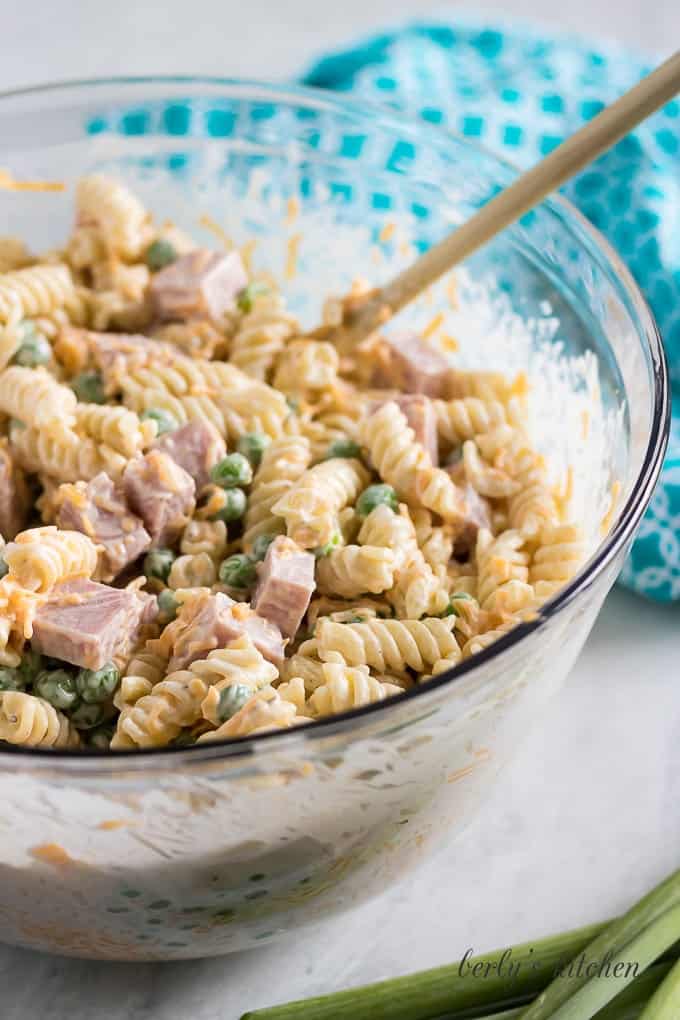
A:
x: 376, y: 495
x: 252, y: 446
x: 167, y: 605
x: 88, y: 717
x: 248, y: 294
x: 34, y: 348
x: 327, y: 549
x: 31, y: 664
x: 4, y: 569
x: 343, y: 448
x: 89, y: 387
x: 460, y: 596
x: 56, y: 686
x: 159, y: 254
x: 294, y: 404
x: 238, y: 571
x: 11, y: 679
x: 232, y: 470
x: 185, y: 739
x: 232, y: 698
x: 165, y: 422
x: 16, y: 423
x: 97, y: 685
x: 260, y: 546
x: 100, y: 738
x: 234, y: 506
x: 157, y: 564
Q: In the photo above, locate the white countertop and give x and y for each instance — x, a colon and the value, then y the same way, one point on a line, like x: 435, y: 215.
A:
x: 586, y: 818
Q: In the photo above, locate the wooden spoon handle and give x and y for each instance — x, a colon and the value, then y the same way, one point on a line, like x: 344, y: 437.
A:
x: 528, y: 190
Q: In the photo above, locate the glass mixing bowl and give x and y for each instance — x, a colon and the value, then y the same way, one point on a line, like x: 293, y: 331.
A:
x: 196, y: 852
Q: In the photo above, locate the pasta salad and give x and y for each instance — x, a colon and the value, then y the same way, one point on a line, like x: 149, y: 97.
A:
x: 215, y: 526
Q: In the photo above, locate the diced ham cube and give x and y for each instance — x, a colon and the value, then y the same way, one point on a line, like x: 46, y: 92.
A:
x: 88, y: 624
x: 211, y: 621
x: 201, y: 283
x: 160, y: 492
x: 98, y: 509
x: 15, y: 499
x: 285, y: 586
x: 79, y: 349
x: 420, y: 416
x: 411, y: 365
x: 196, y: 447
x: 477, y: 514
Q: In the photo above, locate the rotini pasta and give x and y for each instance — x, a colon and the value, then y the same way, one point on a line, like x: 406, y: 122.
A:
x: 29, y: 721
x: 254, y: 528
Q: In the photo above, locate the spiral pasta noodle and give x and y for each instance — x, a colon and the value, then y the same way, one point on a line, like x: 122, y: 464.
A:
x: 347, y: 687
x: 238, y: 663
x: 35, y: 398
x: 266, y: 711
x: 28, y: 721
x: 310, y: 507
x: 40, y: 558
x: 284, y: 462
x: 119, y: 218
x: 61, y: 454
x: 262, y: 335
x: 390, y: 645
x: 118, y: 428
x: 356, y: 569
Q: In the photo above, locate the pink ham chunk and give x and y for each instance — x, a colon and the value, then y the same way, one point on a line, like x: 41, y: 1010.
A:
x: 202, y: 284
x: 477, y: 514
x: 160, y: 492
x: 285, y: 586
x: 196, y: 447
x: 100, y: 511
x: 15, y: 499
x: 408, y: 363
x: 89, y: 624
x: 420, y: 416
x: 211, y: 621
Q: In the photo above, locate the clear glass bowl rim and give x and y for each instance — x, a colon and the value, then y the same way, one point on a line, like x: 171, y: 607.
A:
x: 96, y: 763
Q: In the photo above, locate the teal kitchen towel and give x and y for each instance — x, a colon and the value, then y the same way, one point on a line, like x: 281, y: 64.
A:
x: 520, y: 92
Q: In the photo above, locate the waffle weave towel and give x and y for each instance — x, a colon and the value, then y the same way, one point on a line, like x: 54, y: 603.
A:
x: 521, y: 92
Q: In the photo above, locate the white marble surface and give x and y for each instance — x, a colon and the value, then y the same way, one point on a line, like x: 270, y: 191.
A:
x: 588, y: 815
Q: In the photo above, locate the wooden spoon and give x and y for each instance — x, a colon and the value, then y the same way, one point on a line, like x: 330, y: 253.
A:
x: 362, y: 315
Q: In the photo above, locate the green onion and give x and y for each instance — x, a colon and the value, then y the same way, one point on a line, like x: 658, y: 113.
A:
x: 591, y: 972
x: 665, y: 1002
x: 246, y: 296
x: 451, y: 989
x: 327, y: 549
x: 646, y: 931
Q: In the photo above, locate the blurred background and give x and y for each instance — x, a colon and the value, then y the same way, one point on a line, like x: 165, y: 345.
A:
x: 266, y: 38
